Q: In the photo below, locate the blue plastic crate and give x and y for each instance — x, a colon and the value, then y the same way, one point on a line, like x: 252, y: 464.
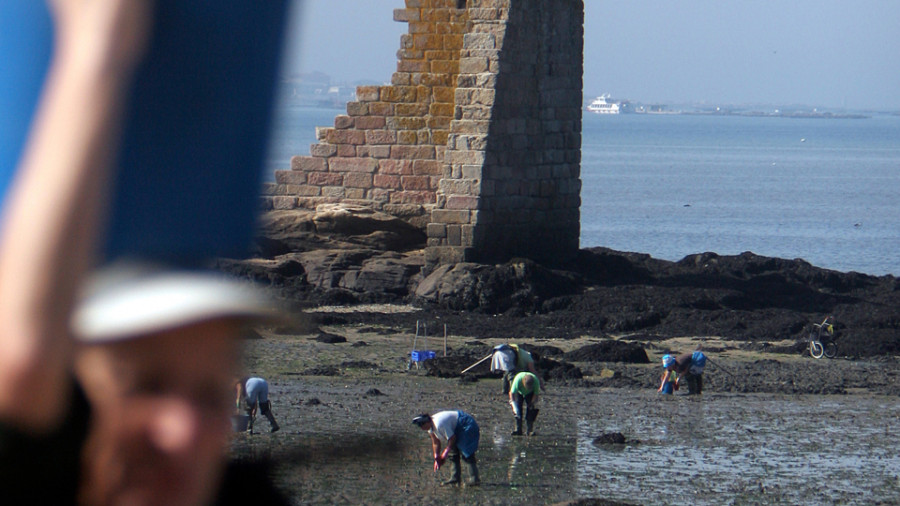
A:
x: 420, y: 356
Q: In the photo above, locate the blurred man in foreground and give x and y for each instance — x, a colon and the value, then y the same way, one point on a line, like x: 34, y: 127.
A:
x: 129, y: 405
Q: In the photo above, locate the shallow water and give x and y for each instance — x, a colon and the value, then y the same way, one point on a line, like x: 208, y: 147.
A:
x: 721, y: 449
x: 747, y: 449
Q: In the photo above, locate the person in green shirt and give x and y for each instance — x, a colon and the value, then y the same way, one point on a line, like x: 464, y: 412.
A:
x: 510, y: 359
x: 524, y: 392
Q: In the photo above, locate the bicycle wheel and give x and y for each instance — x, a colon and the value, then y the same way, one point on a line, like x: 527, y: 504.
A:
x: 816, y: 350
x: 830, y: 349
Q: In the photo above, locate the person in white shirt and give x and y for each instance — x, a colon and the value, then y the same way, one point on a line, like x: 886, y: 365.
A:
x: 461, y: 433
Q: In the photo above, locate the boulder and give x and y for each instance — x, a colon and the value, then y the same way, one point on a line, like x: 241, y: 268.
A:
x: 609, y: 350
x: 334, y: 226
x: 519, y: 283
x: 362, y: 271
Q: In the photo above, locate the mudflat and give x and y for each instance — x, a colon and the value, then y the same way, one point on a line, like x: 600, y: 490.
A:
x: 773, y: 426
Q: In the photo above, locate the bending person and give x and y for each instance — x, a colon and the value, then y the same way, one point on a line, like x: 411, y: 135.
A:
x: 461, y: 433
x: 524, y: 393
x: 253, y: 394
x: 511, y: 359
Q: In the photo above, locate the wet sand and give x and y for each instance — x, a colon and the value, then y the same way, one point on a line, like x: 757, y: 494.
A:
x: 346, y: 437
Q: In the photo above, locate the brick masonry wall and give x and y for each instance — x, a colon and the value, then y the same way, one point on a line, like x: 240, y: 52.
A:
x: 477, y: 139
x: 387, y: 152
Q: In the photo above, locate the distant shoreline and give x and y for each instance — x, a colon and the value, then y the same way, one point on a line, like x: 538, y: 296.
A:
x: 760, y: 114
x: 749, y: 114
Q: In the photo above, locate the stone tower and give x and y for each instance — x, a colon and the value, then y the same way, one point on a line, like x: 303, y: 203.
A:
x: 477, y: 139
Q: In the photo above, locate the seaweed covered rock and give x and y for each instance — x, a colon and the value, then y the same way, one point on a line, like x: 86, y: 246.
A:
x: 495, y: 288
x: 609, y: 351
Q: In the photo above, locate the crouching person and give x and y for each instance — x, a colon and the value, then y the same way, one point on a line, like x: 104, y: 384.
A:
x: 511, y: 359
x: 669, y: 377
x: 461, y: 433
x: 523, y: 396
x: 254, y: 392
x: 690, y: 367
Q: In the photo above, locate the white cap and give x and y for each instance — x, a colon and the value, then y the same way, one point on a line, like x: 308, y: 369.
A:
x: 130, y: 300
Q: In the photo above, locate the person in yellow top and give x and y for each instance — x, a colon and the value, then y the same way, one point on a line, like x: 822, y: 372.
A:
x: 524, y: 390
x: 669, y: 377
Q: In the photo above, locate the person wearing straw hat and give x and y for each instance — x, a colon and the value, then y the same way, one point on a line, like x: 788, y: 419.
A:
x: 461, y: 433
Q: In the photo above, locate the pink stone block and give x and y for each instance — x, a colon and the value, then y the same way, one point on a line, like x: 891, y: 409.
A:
x: 343, y: 122
x: 325, y: 178
x: 381, y: 109
x: 462, y: 202
x: 308, y: 163
x: 290, y: 177
x: 413, y: 152
x: 346, y: 137
x: 339, y: 164
x: 378, y: 151
x: 381, y: 137
x: 380, y: 194
x: 347, y: 150
x: 427, y: 167
x: 358, y: 180
x: 323, y: 150
x: 283, y: 203
x: 308, y: 191
x: 387, y: 181
x: 367, y: 93
x: 357, y: 109
x: 369, y: 122
x: 412, y: 197
x: 416, y: 183
x: 392, y: 166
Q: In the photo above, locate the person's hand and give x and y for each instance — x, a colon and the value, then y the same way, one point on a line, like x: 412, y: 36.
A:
x: 438, y: 462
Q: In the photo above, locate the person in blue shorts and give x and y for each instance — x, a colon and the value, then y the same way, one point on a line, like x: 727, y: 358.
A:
x: 461, y: 433
x: 669, y: 377
x: 690, y: 367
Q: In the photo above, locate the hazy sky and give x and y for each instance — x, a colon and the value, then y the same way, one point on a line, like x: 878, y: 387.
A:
x: 829, y: 53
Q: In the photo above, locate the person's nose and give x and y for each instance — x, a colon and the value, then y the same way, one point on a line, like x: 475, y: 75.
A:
x: 175, y: 426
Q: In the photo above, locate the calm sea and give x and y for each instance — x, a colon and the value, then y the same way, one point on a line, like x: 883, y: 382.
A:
x: 825, y: 190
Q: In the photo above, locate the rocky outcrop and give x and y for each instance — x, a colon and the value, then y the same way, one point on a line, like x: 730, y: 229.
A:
x: 334, y: 226
x: 346, y: 254
x: 494, y: 288
x: 337, y: 253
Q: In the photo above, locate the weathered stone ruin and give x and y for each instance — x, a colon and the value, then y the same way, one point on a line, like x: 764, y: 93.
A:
x: 477, y: 139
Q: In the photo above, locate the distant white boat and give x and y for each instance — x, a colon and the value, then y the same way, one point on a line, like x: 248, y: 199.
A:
x: 601, y: 105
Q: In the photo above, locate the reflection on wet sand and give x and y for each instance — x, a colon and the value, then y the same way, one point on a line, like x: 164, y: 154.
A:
x: 717, y: 449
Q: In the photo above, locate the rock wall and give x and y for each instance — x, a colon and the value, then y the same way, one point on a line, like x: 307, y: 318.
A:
x: 477, y: 140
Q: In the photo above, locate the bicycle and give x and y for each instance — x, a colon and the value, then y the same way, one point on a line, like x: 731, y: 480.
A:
x: 821, y: 339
